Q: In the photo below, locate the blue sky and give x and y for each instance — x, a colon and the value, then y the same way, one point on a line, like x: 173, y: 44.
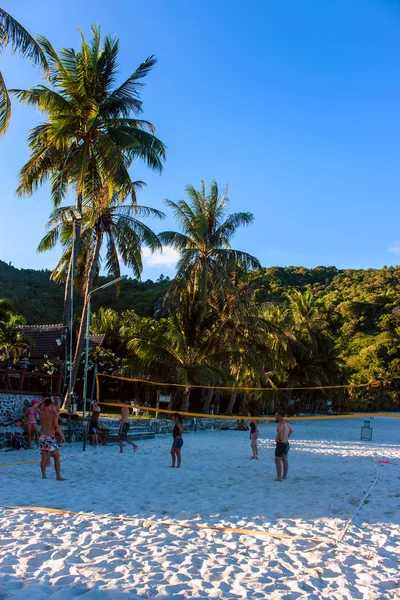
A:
x: 295, y: 104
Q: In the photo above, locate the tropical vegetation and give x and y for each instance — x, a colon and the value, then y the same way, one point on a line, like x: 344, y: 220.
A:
x: 224, y: 326
x: 17, y: 38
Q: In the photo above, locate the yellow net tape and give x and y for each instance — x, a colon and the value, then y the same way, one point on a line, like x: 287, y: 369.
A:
x: 231, y: 388
x: 238, y: 417
x: 233, y: 417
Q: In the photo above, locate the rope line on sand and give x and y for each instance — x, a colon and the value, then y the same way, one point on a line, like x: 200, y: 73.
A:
x: 349, y: 521
x: 193, y: 526
x: 20, y: 462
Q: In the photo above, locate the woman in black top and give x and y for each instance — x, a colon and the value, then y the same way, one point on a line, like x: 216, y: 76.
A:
x: 178, y: 441
x: 253, y: 438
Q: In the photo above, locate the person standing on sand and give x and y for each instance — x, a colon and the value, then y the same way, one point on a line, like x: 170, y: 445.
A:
x: 94, y: 423
x: 253, y: 438
x: 283, y: 433
x: 31, y: 423
x: 47, y: 441
x: 178, y: 441
x: 124, y: 426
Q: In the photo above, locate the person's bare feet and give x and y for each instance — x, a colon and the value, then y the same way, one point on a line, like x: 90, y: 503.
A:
x: 172, y: 467
x: 277, y: 479
x: 61, y: 479
x: 135, y: 447
x: 44, y: 477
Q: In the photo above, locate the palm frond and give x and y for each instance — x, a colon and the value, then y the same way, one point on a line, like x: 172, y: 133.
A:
x: 14, y: 34
x: 5, y: 106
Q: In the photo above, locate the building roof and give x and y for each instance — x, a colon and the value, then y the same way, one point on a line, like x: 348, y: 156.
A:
x: 47, y: 339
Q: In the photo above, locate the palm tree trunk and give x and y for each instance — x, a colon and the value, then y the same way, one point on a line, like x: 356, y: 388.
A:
x: 185, y: 400
x: 67, y: 298
x: 82, y: 329
x: 72, y: 267
x: 206, y: 405
x: 232, y: 401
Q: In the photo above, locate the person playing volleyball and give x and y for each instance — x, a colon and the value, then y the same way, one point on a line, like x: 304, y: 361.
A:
x: 253, y: 437
x: 178, y: 441
x: 124, y: 426
x: 283, y: 433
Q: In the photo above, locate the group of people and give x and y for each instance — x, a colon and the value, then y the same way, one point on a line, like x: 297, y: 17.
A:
x: 48, y: 412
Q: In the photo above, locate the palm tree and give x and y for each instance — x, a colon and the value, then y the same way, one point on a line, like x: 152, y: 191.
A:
x: 13, y: 34
x: 207, y: 262
x: 187, y: 350
x: 13, y: 341
x: 7, y: 308
x: 92, y: 134
x: 110, y: 221
x: 107, y: 322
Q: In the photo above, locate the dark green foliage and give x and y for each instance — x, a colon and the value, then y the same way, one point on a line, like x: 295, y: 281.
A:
x: 41, y: 300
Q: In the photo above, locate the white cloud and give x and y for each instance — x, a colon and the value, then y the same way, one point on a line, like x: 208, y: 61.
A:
x: 395, y: 247
x: 167, y: 258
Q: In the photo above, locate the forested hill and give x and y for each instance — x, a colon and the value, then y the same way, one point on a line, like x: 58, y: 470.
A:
x: 352, y: 300
x: 355, y: 300
x: 40, y: 300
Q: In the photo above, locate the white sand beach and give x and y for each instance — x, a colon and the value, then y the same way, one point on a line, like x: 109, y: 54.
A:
x: 94, y: 556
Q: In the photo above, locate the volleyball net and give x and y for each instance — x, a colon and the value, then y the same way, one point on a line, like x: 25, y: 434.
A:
x: 152, y: 399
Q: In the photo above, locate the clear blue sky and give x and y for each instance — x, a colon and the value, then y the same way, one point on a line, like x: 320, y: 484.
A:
x: 295, y: 104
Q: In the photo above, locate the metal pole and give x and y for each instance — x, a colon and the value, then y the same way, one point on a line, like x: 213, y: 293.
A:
x: 71, y: 334
x: 85, y: 379
x: 85, y: 437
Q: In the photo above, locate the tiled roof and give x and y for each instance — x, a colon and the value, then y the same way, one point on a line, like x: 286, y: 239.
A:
x: 45, y: 339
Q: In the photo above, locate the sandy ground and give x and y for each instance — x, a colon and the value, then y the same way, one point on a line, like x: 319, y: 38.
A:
x: 59, y: 556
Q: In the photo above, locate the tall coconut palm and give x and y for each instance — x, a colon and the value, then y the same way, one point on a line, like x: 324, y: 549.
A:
x: 92, y: 133
x: 13, y: 34
x: 207, y: 264
x: 188, y: 349
x: 110, y: 221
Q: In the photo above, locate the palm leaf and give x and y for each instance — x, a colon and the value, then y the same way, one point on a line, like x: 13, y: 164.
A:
x: 5, y: 106
x: 13, y: 33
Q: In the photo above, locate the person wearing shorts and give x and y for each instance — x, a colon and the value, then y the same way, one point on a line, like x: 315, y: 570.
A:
x: 124, y: 426
x: 178, y: 441
x: 253, y: 438
x: 283, y: 433
x: 48, y: 445
x: 94, y: 424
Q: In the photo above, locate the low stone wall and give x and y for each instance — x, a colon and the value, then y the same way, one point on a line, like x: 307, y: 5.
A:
x: 157, y: 426
x: 13, y: 406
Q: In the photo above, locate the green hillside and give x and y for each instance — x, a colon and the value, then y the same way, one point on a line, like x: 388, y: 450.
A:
x: 41, y: 300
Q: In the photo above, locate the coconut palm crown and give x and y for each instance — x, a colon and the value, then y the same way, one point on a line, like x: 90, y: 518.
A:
x: 89, y: 139
x: 207, y: 260
x: 14, y: 35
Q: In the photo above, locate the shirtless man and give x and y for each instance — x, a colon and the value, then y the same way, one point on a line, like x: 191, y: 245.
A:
x: 47, y: 441
x: 124, y: 428
x: 283, y: 433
